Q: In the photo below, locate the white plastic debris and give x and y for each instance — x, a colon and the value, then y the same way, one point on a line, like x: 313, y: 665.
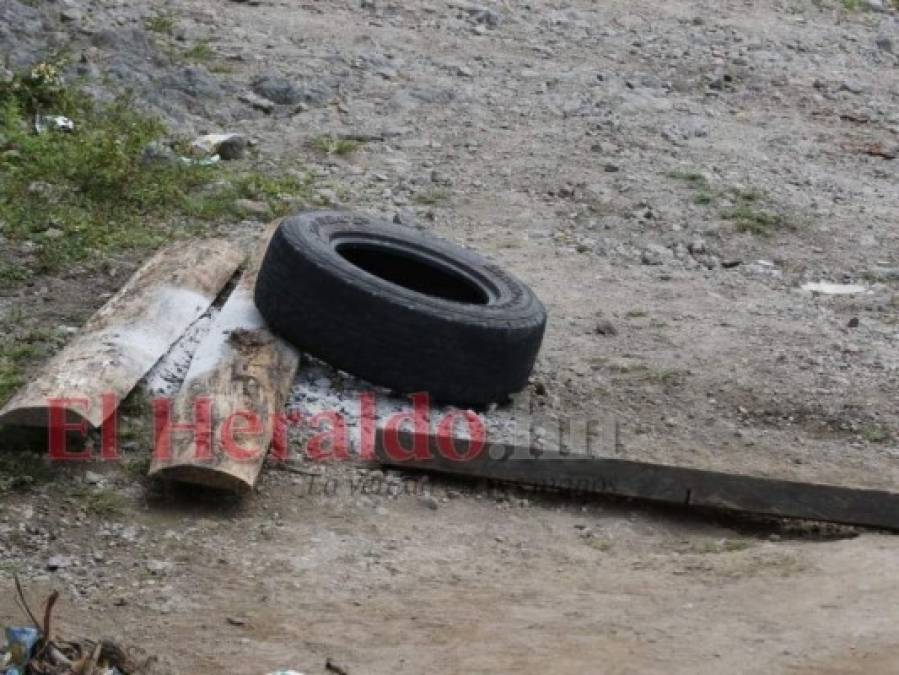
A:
x: 206, y: 161
x: 828, y: 288
x: 45, y: 123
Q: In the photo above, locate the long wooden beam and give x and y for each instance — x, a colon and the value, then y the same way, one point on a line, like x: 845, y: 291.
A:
x: 651, y: 481
x: 128, y: 335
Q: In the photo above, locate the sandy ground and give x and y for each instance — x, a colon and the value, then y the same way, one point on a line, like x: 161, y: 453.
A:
x: 600, y: 151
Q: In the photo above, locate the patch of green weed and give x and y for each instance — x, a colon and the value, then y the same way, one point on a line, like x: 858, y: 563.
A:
x: 335, y: 146
x: 162, y: 23
x: 22, y: 469
x: 693, y: 178
x: 199, y: 53
x: 82, y: 195
x: 876, y: 433
x: 432, y: 197
x: 760, y: 222
x: 100, y: 501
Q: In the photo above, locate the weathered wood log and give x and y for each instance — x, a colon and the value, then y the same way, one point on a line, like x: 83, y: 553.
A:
x: 128, y: 335
x: 687, y: 487
x: 241, y: 374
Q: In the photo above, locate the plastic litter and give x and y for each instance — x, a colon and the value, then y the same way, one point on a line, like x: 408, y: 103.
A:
x: 828, y: 288
x: 19, y: 645
x: 45, y: 123
x: 206, y: 161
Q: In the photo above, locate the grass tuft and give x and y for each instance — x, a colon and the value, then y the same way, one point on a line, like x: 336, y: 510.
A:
x: 335, y: 146
x: 162, y: 23
x: 199, y: 53
x: 100, y: 502
x: 83, y: 195
x: 432, y: 197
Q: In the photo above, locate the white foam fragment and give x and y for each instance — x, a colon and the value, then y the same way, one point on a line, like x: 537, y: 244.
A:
x: 828, y: 288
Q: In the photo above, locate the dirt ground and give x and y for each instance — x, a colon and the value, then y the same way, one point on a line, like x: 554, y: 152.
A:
x: 666, y: 177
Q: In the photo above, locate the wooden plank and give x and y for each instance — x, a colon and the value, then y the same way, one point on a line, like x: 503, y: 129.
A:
x: 129, y: 334
x: 657, y: 482
x: 242, y: 368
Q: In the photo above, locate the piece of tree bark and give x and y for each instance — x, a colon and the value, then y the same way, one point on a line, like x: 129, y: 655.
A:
x: 245, y: 374
x: 128, y: 335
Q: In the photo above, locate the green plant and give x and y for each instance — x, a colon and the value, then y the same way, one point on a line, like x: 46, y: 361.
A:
x: 335, y: 146
x: 80, y: 196
x: 199, y: 53
x: 432, y: 197
x: 22, y: 468
x: 692, y: 178
x: 100, y: 501
x: 755, y: 221
x: 876, y: 433
x: 162, y: 23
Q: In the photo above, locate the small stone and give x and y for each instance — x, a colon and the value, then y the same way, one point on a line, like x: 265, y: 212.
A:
x: 430, y: 502
x: 257, y: 102
x: 485, y: 17
x: 853, y: 322
x: 852, y: 86
x: 277, y: 89
x: 730, y: 263
x: 405, y: 217
x: 697, y: 246
x: 884, y: 43
x: 464, y: 71
x: 71, y: 15
x: 158, y: 566
x: 92, y: 478
x: 605, y: 327
x: 235, y: 147
x: 654, y: 254
x: 336, y: 668
x: 236, y: 621
x: 611, y: 168
x: 57, y: 562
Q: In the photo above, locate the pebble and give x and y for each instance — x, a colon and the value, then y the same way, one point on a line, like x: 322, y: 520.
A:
x: 257, y: 102
x: 235, y: 147
x: 158, y: 566
x: 852, y: 86
x: 654, y: 254
x: 605, y: 327
x: 58, y: 562
x: 277, y: 89
x: 430, y: 502
x: 697, y: 246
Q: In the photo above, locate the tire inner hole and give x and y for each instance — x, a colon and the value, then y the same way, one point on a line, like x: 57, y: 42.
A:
x: 416, y: 274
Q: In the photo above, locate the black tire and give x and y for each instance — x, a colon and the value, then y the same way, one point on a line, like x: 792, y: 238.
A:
x: 400, y: 309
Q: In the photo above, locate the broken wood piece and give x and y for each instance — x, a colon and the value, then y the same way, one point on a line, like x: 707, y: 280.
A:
x: 246, y: 374
x: 651, y: 481
x: 128, y: 335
